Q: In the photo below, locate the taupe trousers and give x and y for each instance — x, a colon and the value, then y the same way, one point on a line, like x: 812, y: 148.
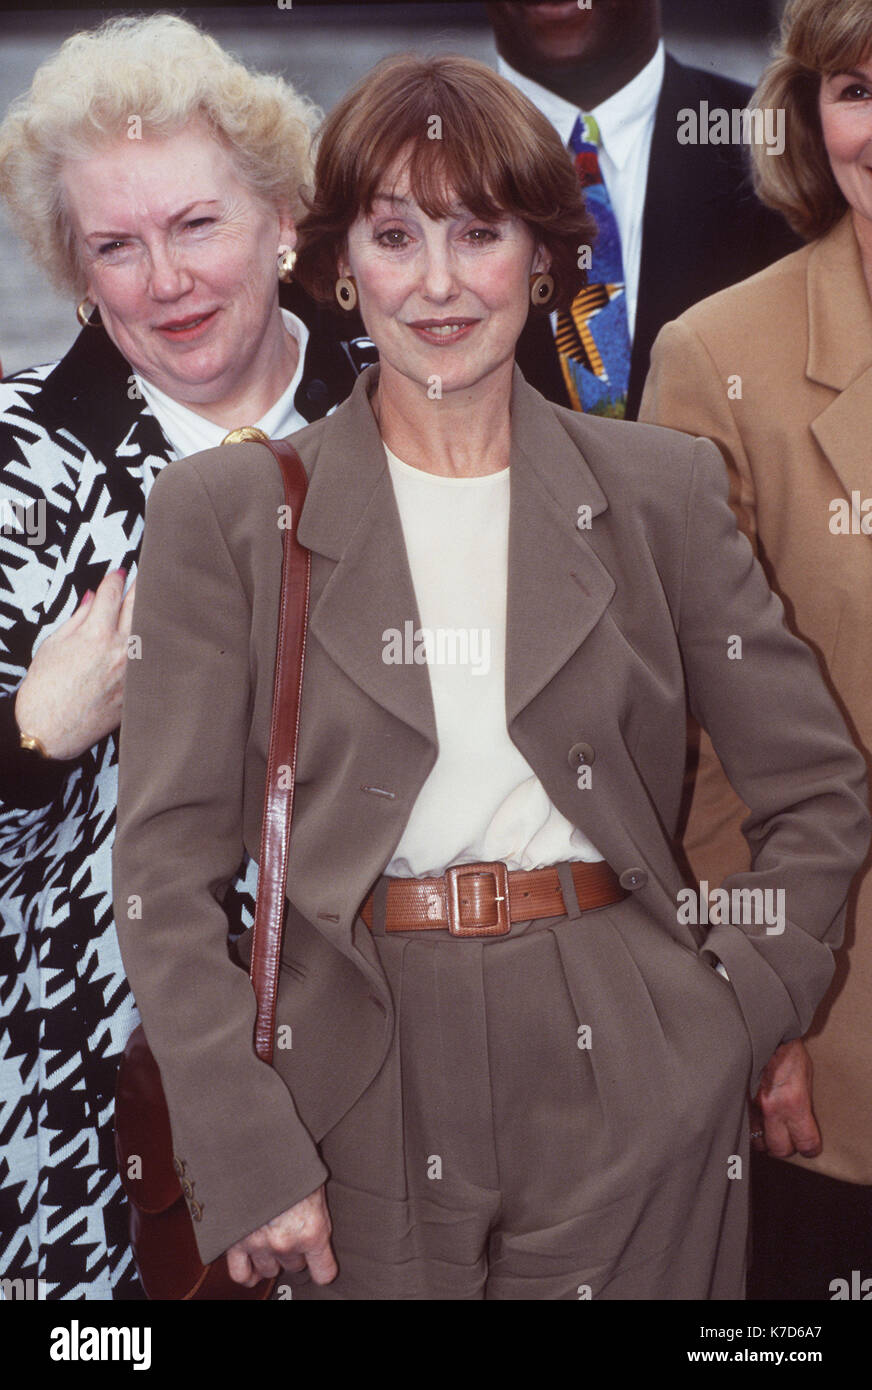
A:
x: 626, y: 581
x: 552, y: 1121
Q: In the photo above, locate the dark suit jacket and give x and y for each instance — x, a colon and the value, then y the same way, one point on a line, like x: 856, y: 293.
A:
x: 607, y: 629
x: 703, y: 229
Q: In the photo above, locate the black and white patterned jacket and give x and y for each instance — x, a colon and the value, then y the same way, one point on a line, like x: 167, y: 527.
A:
x: 79, y: 451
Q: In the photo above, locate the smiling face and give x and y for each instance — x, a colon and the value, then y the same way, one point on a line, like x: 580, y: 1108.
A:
x: 180, y: 258
x: 441, y: 297
x: 846, y: 120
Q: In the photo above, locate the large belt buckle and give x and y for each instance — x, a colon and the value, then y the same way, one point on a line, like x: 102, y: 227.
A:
x: 500, y: 875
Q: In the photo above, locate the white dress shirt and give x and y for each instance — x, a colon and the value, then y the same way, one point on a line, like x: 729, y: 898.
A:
x: 626, y: 125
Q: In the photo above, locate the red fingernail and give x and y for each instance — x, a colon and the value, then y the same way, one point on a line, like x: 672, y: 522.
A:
x: 86, y: 597
x: 122, y: 572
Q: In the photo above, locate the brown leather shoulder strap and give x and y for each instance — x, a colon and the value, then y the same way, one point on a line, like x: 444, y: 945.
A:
x: 278, y: 799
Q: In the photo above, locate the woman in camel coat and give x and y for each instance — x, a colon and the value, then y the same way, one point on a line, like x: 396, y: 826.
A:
x: 778, y: 372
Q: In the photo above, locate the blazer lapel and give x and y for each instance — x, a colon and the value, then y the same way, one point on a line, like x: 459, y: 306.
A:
x: 351, y: 517
x: 840, y: 353
x: 558, y: 587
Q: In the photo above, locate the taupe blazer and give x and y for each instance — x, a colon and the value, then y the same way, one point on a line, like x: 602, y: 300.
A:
x: 607, y: 620
x: 778, y: 372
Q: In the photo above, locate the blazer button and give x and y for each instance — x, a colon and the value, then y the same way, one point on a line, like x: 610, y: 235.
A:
x: 187, y: 1188
x: 196, y: 1211
x: 633, y: 879
x: 179, y: 1165
x: 580, y: 755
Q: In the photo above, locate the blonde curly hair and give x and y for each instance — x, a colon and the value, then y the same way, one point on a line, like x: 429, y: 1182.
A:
x: 166, y: 72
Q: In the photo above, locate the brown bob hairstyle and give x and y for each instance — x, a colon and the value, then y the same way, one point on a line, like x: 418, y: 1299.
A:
x: 470, y: 137
x: 818, y: 39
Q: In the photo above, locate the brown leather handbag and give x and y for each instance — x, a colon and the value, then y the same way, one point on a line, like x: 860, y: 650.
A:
x: 161, y: 1225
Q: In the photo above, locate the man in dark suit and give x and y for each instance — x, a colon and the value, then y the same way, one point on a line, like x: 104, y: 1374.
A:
x: 693, y: 225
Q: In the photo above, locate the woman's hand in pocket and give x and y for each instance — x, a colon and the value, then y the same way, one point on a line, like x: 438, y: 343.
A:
x: 782, y: 1108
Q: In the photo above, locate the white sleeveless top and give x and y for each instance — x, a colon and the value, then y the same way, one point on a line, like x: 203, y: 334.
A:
x: 482, y: 800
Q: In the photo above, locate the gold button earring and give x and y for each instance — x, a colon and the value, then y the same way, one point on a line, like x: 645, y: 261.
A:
x: 346, y: 292
x: 541, y: 289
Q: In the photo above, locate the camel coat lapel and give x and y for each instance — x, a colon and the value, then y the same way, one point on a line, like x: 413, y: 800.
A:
x: 840, y: 353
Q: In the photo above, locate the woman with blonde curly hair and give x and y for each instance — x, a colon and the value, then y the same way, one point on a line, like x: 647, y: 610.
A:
x: 156, y: 181
x: 778, y: 372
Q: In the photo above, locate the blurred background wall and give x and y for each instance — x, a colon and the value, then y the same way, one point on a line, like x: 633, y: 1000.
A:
x: 322, y: 48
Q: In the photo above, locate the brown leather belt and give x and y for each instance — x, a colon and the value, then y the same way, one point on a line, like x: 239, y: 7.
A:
x: 484, y: 899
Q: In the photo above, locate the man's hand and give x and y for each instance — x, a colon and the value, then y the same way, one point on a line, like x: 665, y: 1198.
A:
x: 297, y: 1238
x: 782, y: 1106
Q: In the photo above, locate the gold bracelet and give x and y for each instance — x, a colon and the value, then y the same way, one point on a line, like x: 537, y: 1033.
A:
x: 32, y: 744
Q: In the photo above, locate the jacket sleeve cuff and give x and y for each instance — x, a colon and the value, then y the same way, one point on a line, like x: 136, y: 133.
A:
x: 773, y: 1011
x: 27, y: 781
x: 256, y: 1209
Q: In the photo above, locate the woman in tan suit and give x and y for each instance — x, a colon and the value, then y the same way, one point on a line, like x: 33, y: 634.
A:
x: 778, y: 372
x: 514, y: 1072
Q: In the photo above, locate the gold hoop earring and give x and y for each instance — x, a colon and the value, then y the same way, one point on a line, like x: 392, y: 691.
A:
x: 346, y: 292
x: 286, y: 262
x: 541, y: 289
x: 84, y: 310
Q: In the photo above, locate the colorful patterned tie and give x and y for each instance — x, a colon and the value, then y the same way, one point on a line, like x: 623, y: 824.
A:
x: 593, y: 337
